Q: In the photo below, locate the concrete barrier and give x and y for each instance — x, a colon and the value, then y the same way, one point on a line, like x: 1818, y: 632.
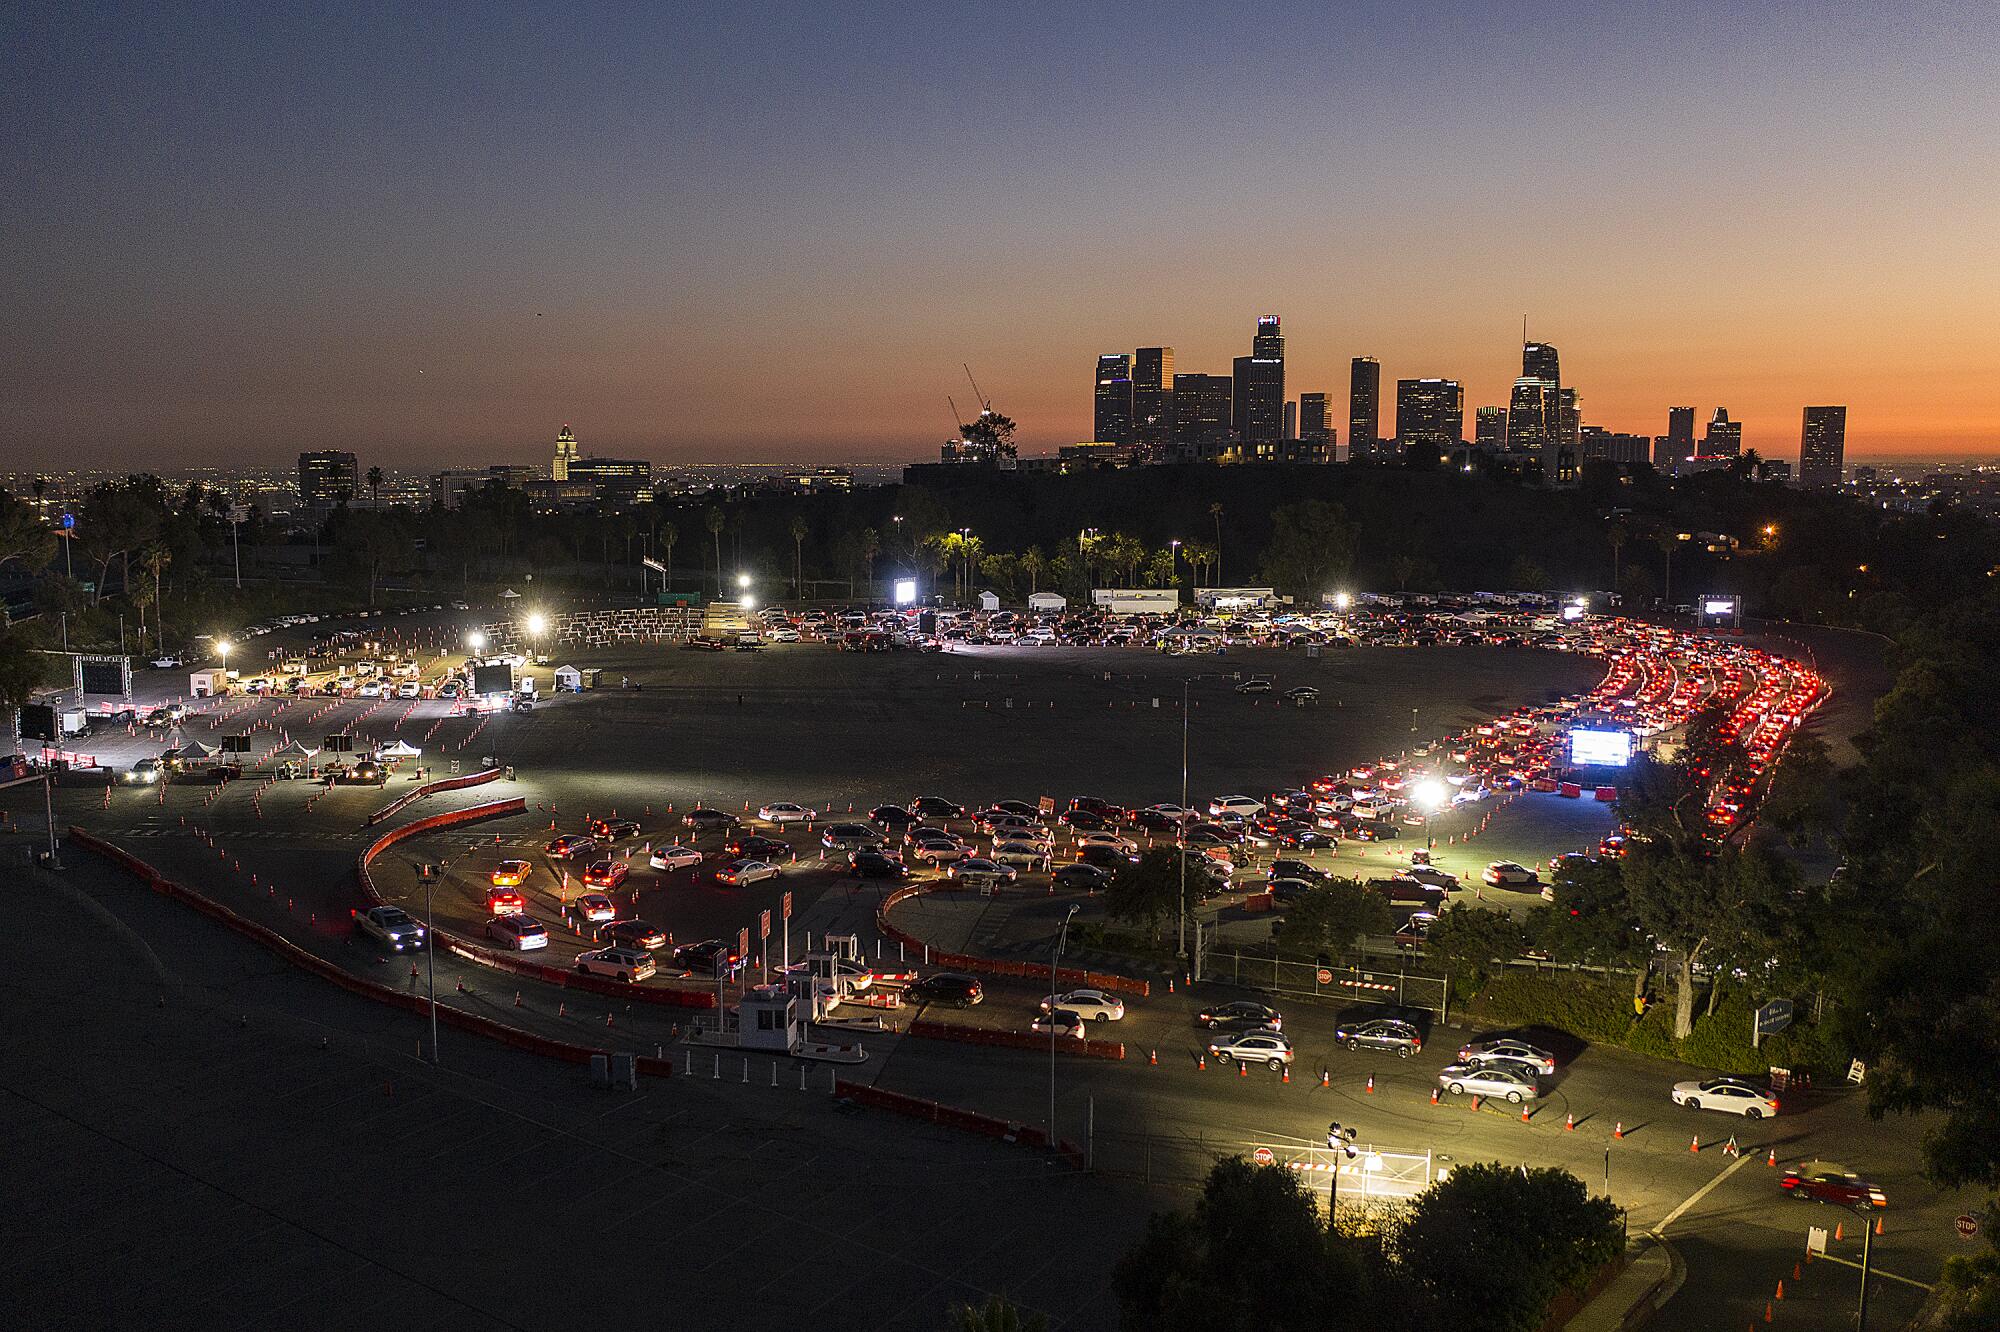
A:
x: 937, y: 1112
x: 1017, y: 1040
x: 458, y: 783
x: 512, y: 963
x: 290, y: 952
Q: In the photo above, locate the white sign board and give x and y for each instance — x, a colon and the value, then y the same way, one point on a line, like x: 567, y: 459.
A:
x: 1816, y: 1240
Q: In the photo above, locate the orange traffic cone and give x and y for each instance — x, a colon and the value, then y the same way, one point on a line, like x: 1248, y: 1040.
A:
x: 1618, y: 1129
x: 1370, y: 1088
x: 1242, y: 1069
x: 1878, y: 1226
x: 1772, y: 1159
x: 1475, y: 1105
x: 1434, y: 1096
x: 1153, y: 1057
x: 1769, y: 1312
x: 1694, y: 1143
x: 1781, y: 1289
x: 1201, y: 1061
x: 1288, y: 1075
x: 1524, y: 1114
x: 1569, y: 1122
x: 1837, y: 1227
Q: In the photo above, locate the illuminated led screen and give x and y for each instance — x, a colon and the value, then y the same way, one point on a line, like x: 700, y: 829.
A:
x: 1600, y: 749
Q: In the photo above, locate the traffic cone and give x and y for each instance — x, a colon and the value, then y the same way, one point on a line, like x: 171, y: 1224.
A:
x: 1618, y: 1129
x: 1837, y: 1227
x: 1878, y: 1226
x: 1730, y: 1148
x: 1694, y: 1143
x: 1569, y: 1122
x: 1370, y: 1088
x: 1525, y: 1113
x: 517, y: 998
x: 1769, y: 1312
x: 1772, y: 1159
x: 1201, y: 1061
x: 1242, y: 1069
x: 1781, y: 1290
x: 1287, y: 1079
x: 1434, y: 1096
x: 1325, y: 1077
x: 1475, y: 1105
x: 1798, y: 1271
x: 562, y: 1008
x: 1153, y: 1057
x: 607, y: 1019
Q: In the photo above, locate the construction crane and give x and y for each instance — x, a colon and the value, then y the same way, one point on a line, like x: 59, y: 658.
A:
x: 977, y: 396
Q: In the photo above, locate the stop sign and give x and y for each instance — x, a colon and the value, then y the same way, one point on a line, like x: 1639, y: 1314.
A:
x: 1968, y: 1225
x: 1264, y: 1156
x: 1324, y: 977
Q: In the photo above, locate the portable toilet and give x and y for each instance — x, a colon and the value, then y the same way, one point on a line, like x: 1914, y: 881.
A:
x: 768, y: 1019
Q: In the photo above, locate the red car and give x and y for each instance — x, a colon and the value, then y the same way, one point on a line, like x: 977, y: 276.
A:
x: 605, y: 873
x: 1825, y: 1182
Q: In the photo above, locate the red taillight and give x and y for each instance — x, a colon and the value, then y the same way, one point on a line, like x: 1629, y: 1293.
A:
x: 1774, y: 1105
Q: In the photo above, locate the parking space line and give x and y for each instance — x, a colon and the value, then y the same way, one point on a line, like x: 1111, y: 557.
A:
x: 1700, y: 1193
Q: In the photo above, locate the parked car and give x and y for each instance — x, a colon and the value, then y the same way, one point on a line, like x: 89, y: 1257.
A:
x: 948, y: 987
x: 710, y: 957
x: 571, y: 846
x: 617, y: 962
x: 742, y: 873
x: 1253, y: 1047
x: 1240, y: 1015
x: 611, y: 830
x: 708, y: 820
x: 594, y: 909
x: 1093, y: 1004
x: 674, y: 857
x: 785, y: 812
x: 1400, y: 1038
x: 1080, y: 875
x: 1733, y: 1096
x: 1509, y: 1084
x: 505, y: 902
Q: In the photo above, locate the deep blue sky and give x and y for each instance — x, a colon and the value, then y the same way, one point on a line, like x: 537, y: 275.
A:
x: 439, y: 232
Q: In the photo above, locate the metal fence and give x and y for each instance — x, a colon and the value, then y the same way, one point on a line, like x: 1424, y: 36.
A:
x: 1349, y: 980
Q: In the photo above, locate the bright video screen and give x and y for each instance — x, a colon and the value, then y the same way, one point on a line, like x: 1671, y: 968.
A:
x: 1600, y: 749
x: 1714, y: 606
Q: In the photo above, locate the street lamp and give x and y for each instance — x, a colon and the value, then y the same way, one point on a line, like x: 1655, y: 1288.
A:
x: 537, y: 622
x: 1061, y: 936
x: 743, y: 580
x: 1339, y: 1141
x: 1433, y: 796
x: 1341, y: 601
x: 476, y: 641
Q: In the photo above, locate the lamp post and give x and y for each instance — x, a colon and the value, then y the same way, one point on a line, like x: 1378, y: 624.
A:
x: 1431, y: 794
x: 476, y: 641
x: 1061, y: 936
x: 1339, y: 1141
x: 1181, y: 841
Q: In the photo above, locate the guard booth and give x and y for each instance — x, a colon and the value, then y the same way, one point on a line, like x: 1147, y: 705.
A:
x: 768, y: 1019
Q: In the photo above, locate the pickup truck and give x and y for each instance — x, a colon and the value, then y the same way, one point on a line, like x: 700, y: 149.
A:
x: 1403, y: 890
x: 392, y: 925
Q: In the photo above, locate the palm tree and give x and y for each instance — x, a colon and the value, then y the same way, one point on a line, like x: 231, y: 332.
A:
x: 1617, y: 534
x: 668, y: 535
x: 375, y: 487
x: 871, y: 546
x: 800, y: 531
x: 716, y: 522
x: 156, y: 557
x: 1667, y: 541
x: 1034, y: 564
x: 1215, y: 512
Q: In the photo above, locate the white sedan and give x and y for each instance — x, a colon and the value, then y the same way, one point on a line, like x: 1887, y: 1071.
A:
x: 1124, y: 845
x: 674, y: 857
x: 1731, y: 1095
x: 1062, y: 1022
x: 1506, y: 874
x: 1094, y: 1004
x: 785, y: 812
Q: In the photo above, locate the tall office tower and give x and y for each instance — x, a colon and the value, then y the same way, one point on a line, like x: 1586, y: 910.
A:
x: 1823, y: 447
x: 1528, y: 417
x: 1569, y: 434
x: 1153, y: 400
x: 1314, y: 420
x: 565, y: 455
x: 1114, y: 399
x: 1291, y: 419
x: 1539, y: 361
x: 1489, y: 428
x: 1258, y: 413
x: 1677, y: 445
x: 1429, y: 411
x: 1725, y: 437
x: 1201, y: 416
x: 326, y: 480
x: 1364, y: 409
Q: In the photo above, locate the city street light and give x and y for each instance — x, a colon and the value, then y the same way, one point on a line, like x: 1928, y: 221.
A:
x: 743, y: 580
x: 537, y: 622
x: 1433, y: 796
x: 1341, y: 601
x: 476, y: 641
x: 1061, y: 936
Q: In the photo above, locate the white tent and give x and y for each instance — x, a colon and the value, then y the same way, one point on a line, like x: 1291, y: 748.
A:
x: 399, y: 749
x: 510, y: 595
x: 195, y: 749
x: 297, y: 749
x: 989, y: 601
x: 1046, y: 601
x: 568, y: 678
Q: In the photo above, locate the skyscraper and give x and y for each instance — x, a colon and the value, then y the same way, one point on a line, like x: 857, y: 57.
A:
x: 1291, y: 419
x: 1315, y: 422
x: 1257, y: 415
x: 1364, y: 408
x: 1540, y: 363
x: 1114, y: 399
x: 1430, y: 411
x: 1528, y: 417
x: 327, y: 479
x: 1724, y: 438
x: 565, y: 455
x: 1153, y: 400
x: 1823, y: 448
x: 1201, y: 416
x: 1677, y: 444
x: 1489, y: 429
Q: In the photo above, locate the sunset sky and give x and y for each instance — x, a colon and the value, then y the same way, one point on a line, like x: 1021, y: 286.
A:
x: 433, y: 234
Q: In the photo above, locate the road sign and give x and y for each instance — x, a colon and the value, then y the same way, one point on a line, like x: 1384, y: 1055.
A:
x: 764, y: 924
x: 1774, y: 1017
x: 1323, y: 976
x: 1264, y: 1156
x: 743, y: 942
x: 69, y: 522
x: 788, y: 904
x: 1967, y: 1225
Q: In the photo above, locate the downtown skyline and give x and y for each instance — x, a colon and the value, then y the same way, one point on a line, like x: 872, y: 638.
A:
x: 778, y: 235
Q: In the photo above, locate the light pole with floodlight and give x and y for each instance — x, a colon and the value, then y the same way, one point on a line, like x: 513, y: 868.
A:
x: 1433, y: 796
x: 1055, y: 956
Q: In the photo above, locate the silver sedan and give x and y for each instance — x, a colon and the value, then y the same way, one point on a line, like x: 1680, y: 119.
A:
x: 1510, y: 1084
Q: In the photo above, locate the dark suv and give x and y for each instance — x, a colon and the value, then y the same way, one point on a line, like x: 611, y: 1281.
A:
x: 711, y: 957
x: 949, y: 987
